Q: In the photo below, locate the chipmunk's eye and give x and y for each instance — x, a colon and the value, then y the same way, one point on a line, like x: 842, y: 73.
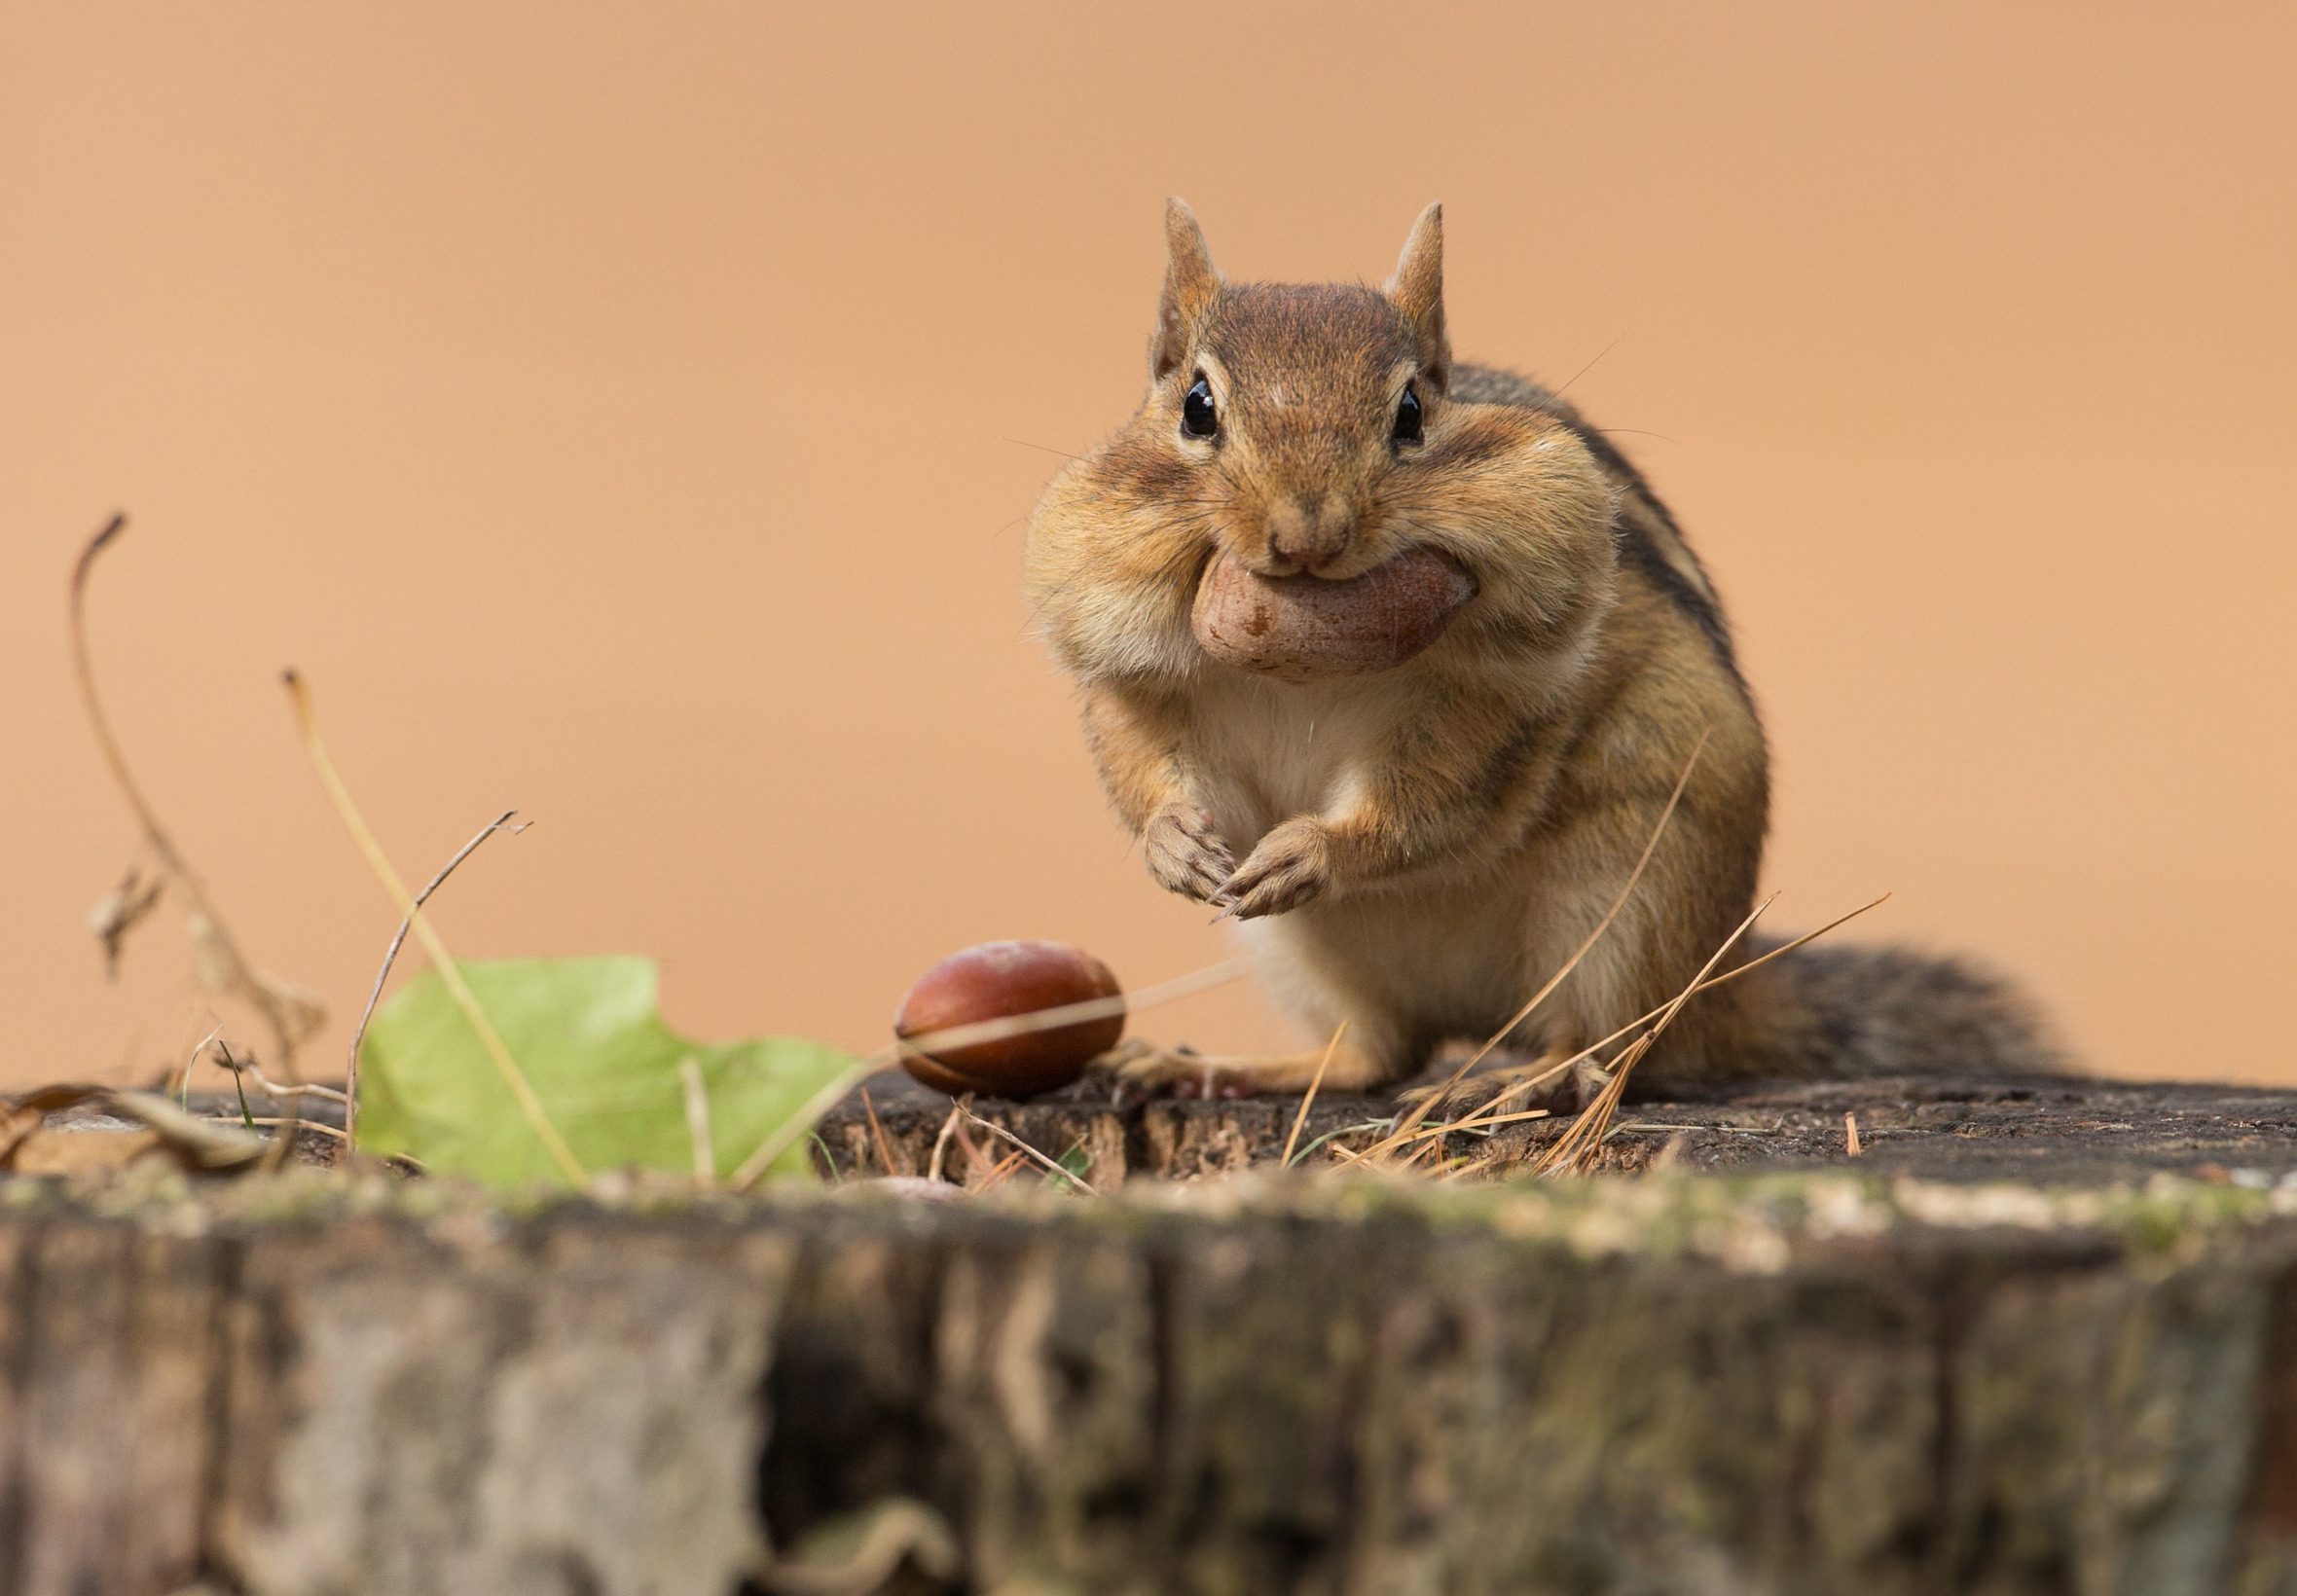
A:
x: 1199, y: 418
x: 1408, y: 416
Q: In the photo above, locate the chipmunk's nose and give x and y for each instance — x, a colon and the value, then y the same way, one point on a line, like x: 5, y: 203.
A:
x: 1309, y: 536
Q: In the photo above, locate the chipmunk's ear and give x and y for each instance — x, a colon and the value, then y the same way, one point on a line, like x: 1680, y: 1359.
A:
x: 1189, y: 284
x: 1417, y: 290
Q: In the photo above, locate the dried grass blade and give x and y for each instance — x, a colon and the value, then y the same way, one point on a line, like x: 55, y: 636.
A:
x: 1023, y: 1148
x: 1301, y: 1119
x: 1481, y: 1122
x: 1642, y: 862
x: 1534, y: 1082
x: 808, y: 1116
x: 697, y: 1095
x: 1593, y: 1127
x: 450, y: 972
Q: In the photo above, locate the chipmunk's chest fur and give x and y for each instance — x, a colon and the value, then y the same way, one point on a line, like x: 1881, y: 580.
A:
x: 1271, y: 749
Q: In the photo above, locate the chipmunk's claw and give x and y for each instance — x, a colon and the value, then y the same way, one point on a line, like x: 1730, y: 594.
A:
x: 1185, y: 854
x: 1151, y: 1071
x: 1290, y: 867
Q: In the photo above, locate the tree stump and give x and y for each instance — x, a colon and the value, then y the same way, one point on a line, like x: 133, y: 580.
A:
x: 1878, y: 1376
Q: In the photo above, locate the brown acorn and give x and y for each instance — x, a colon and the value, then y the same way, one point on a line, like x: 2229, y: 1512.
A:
x: 991, y: 982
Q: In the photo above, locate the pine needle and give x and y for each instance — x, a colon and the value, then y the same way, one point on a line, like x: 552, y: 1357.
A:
x: 1437, y: 1099
x: 1301, y: 1119
x: 1592, y: 1128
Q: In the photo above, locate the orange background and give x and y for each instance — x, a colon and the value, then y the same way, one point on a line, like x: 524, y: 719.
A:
x: 629, y: 412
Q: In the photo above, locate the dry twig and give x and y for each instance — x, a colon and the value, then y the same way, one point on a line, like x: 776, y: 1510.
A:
x: 289, y: 1011
x: 278, y: 1092
x: 350, y: 1077
x: 450, y: 972
x: 1024, y: 1147
x: 941, y: 1145
x: 264, y: 1119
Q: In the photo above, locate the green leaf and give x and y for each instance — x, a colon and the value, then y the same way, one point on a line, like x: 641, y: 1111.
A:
x: 590, y: 1040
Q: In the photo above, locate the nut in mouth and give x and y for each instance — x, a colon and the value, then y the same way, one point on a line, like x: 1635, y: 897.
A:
x: 1303, y: 627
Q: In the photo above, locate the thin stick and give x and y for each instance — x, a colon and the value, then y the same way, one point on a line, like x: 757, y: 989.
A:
x: 942, y: 1146
x: 291, y: 1013
x: 450, y: 972
x: 1301, y: 1119
x: 698, y: 1121
x: 998, y: 1129
x: 1851, y: 1144
x: 282, y: 1093
x: 351, y: 1074
x: 260, y: 1119
x: 287, y: 1009
x: 877, y: 1132
x: 1651, y: 847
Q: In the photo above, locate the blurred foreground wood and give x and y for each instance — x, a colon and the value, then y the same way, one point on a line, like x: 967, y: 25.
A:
x: 1796, y: 1381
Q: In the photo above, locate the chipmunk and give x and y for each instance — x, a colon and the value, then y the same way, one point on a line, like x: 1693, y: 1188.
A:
x: 1397, y: 662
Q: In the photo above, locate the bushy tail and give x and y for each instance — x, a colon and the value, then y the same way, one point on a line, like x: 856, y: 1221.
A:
x: 1850, y: 1010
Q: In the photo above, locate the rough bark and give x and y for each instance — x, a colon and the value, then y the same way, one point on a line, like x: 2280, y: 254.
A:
x: 1790, y: 1383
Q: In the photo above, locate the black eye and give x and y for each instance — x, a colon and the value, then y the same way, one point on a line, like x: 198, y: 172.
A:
x: 1198, y: 419
x: 1408, y: 416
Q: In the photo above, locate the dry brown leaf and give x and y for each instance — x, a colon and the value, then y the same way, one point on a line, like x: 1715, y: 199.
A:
x: 121, y: 910
x: 201, y: 1146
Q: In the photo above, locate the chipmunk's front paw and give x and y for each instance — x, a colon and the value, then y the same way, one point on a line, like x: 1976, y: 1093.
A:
x: 1184, y: 852
x: 1291, y: 865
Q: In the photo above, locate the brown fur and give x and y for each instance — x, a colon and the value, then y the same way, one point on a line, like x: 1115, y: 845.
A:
x: 1422, y: 848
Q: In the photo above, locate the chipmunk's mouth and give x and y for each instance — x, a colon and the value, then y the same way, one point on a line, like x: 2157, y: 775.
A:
x: 1303, y: 627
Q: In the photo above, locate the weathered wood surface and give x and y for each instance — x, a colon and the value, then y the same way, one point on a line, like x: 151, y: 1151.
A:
x: 1784, y: 1383
x: 2052, y: 1129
